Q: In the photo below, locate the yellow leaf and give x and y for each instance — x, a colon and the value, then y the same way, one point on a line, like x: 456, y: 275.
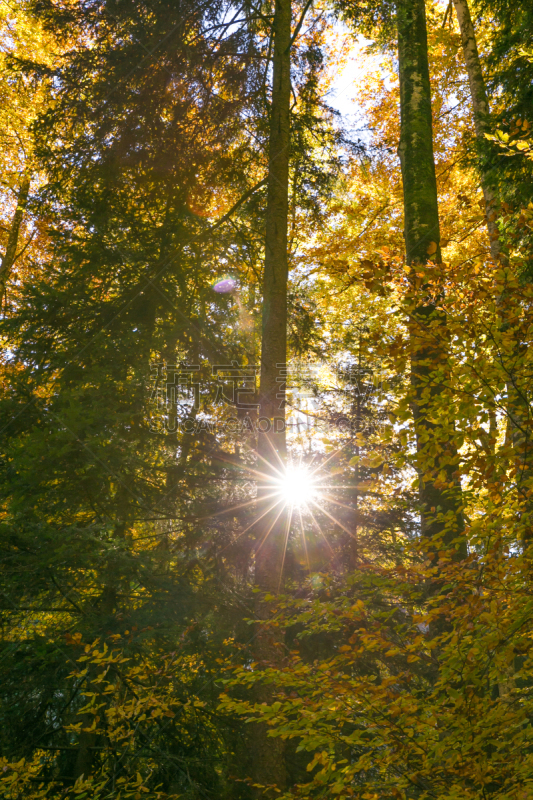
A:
x: 432, y: 248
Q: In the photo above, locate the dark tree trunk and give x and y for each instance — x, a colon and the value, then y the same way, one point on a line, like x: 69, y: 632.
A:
x: 274, y: 328
x: 268, y: 756
x: 440, y: 492
x: 10, y: 254
x: 272, y: 438
x: 480, y: 105
x: 518, y: 404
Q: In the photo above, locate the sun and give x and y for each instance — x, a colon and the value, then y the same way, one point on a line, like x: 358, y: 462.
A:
x: 296, y: 487
x: 291, y: 494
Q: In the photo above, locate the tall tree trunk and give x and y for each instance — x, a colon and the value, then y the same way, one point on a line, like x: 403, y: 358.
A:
x: 440, y: 493
x: 518, y: 404
x: 271, y: 444
x: 10, y: 254
x: 269, y: 766
x: 481, y: 109
x: 274, y: 328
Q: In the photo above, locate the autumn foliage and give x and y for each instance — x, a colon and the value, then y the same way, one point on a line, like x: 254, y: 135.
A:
x: 266, y: 475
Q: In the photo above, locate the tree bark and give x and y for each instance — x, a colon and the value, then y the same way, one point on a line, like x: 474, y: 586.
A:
x: 439, y: 487
x: 271, y: 445
x: 269, y: 763
x: 10, y: 254
x: 480, y: 105
x: 274, y: 327
x: 518, y: 405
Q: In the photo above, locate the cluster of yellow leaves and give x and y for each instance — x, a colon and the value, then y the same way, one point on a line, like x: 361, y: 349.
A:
x: 434, y: 701
x: 123, y: 705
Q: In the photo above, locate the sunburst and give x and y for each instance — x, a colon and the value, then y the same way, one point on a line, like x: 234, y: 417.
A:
x: 292, y: 492
x: 295, y: 486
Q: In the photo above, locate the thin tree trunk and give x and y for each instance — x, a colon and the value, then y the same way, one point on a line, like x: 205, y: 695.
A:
x: 519, y: 422
x: 10, y: 254
x: 272, y: 438
x: 274, y: 328
x: 440, y: 492
x: 518, y: 406
x: 268, y: 755
x: 481, y: 109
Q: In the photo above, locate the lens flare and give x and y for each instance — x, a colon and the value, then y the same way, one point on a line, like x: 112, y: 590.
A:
x: 296, y: 487
x: 225, y: 286
x: 295, y: 499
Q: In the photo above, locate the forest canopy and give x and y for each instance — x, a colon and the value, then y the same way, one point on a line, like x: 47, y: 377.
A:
x: 266, y: 435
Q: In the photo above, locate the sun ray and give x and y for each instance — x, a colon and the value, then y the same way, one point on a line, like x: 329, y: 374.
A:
x: 267, y: 534
x: 337, y: 502
x: 336, y: 521
x: 251, y: 470
x: 304, y: 540
x: 235, y: 508
x: 287, y: 532
x: 321, y: 532
x: 275, y: 454
x: 330, y: 458
x: 254, y: 522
